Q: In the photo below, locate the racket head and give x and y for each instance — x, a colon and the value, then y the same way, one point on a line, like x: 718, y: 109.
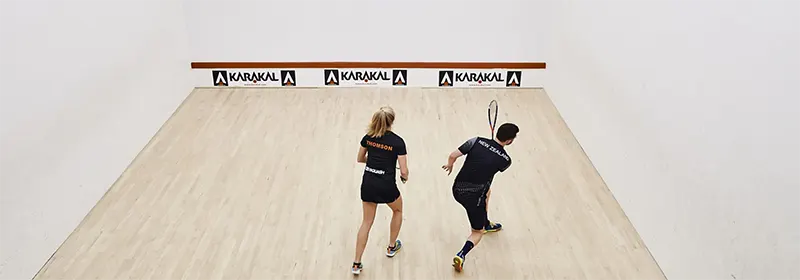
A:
x: 492, y: 113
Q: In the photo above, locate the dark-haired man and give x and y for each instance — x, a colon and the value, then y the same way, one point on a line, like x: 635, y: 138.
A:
x: 485, y: 157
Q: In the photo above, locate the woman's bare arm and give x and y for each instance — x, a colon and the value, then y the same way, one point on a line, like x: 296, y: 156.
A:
x: 403, y: 161
x: 362, y: 155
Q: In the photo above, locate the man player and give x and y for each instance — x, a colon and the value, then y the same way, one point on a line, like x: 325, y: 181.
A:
x: 485, y: 157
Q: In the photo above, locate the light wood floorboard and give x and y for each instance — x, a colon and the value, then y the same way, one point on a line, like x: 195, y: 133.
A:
x: 264, y: 184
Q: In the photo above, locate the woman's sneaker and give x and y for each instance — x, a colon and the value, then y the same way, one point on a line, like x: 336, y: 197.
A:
x: 356, y: 269
x: 391, y: 251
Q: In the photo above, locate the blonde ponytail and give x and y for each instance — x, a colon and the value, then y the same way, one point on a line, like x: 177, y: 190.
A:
x: 381, y: 122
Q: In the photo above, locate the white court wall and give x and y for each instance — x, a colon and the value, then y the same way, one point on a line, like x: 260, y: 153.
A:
x: 689, y: 110
x: 85, y: 84
x: 364, y: 30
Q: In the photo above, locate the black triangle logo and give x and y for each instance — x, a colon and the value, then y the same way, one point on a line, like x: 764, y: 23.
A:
x: 331, y: 77
x: 513, y: 78
x: 288, y: 78
x: 399, y: 77
x: 446, y: 78
x: 220, y: 78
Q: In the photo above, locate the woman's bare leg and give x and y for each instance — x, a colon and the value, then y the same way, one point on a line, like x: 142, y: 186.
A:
x: 366, y: 225
x: 397, y: 219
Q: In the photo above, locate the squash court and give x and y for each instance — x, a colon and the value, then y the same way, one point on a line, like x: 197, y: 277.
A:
x: 263, y: 184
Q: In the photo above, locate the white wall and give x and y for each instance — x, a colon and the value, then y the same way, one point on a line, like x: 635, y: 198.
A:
x: 364, y: 30
x: 695, y: 132
x: 689, y: 110
x: 85, y: 84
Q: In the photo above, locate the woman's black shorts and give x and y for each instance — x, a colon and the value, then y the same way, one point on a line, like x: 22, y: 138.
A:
x: 376, y: 189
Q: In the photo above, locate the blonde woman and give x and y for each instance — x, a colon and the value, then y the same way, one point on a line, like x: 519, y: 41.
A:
x: 381, y: 149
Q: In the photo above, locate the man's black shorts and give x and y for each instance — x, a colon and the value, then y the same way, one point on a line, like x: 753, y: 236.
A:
x: 473, y: 198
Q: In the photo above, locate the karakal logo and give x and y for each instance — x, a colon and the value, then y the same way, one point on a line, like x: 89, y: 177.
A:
x: 224, y: 78
x: 513, y: 78
x: 288, y: 78
x: 220, y: 78
x: 399, y: 77
x: 331, y: 77
x: 445, y: 78
x: 365, y: 76
x: 479, y: 77
x: 253, y: 77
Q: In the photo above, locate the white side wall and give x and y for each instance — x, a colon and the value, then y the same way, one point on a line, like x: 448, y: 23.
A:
x: 689, y: 110
x: 364, y: 30
x: 85, y: 84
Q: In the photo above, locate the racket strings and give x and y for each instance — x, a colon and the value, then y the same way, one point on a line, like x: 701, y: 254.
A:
x: 492, y: 116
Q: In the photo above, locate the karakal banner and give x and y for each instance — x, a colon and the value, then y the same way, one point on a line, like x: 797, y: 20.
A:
x: 254, y: 78
x: 382, y: 77
x: 480, y: 78
x: 364, y: 77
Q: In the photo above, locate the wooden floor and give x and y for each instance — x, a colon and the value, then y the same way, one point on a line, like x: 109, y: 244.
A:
x: 264, y: 184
